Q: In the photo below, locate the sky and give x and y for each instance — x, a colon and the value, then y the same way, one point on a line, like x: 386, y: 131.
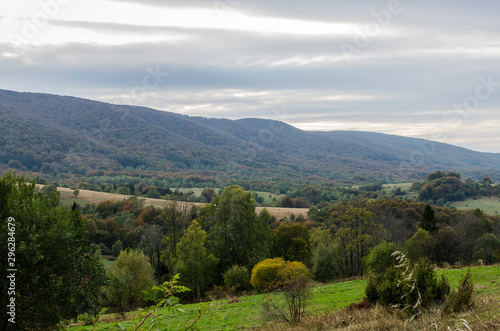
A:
x: 417, y: 68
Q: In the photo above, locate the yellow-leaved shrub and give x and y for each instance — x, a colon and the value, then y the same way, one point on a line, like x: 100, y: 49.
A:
x: 274, y: 273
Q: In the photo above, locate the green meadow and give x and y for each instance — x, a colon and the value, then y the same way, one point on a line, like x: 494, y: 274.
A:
x: 245, y: 311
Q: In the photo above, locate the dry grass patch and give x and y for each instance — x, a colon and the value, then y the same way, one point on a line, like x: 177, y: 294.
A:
x: 484, y: 316
x: 87, y: 196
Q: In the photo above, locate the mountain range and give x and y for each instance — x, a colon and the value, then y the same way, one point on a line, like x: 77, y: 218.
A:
x: 59, y: 134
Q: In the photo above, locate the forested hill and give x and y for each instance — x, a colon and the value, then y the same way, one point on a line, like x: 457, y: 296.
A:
x: 59, y: 134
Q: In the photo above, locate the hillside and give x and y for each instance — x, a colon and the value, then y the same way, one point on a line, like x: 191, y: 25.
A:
x: 327, y: 309
x: 59, y: 134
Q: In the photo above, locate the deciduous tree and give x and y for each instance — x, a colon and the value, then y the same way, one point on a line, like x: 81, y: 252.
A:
x: 292, y: 242
x: 239, y: 236
x: 56, y: 276
x: 194, y: 263
x: 131, y: 274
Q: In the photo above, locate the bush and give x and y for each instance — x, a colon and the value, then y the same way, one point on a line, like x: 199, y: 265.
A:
x: 292, y: 306
x: 388, y: 288
x: 266, y: 273
x: 407, y: 285
x: 273, y: 273
x: 238, y: 278
x: 428, y: 289
x: 461, y: 299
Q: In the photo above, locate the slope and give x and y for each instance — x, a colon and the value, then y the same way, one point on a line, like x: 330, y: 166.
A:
x: 59, y: 134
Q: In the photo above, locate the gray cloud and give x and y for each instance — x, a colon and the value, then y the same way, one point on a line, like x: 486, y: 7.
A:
x: 405, y: 80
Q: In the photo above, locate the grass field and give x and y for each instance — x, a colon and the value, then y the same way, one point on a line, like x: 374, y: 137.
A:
x: 268, y: 197
x: 387, y: 188
x: 196, y: 190
x: 490, y: 206
x: 327, y: 299
x: 108, y: 264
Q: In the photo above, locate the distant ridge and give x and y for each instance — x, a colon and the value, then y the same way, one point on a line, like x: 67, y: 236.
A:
x: 60, y: 134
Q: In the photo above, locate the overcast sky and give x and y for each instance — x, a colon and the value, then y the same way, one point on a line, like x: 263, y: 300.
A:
x: 418, y: 68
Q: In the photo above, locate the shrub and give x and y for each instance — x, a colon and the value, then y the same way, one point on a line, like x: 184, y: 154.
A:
x: 267, y: 273
x: 292, y: 306
x: 294, y: 270
x: 273, y: 273
x: 427, y: 287
x: 461, y: 299
x: 238, y: 278
x: 389, y: 289
x: 407, y: 285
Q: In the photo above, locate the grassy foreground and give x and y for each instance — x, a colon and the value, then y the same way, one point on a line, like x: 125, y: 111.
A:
x: 326, y: 309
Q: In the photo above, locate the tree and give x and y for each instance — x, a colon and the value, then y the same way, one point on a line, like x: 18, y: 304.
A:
x: 471, y: 228
x: 487, y: 248
x: 175, y: 218
x: 461, y: 299
x: 356, y: 233
x: 436, y: 175
x: 153, y: 193
x: 208, y: 194
x: 324, y: 262
x: 325, y: 267
x: 486, y: 181
x: 446, y: 246
x: 117, y: 248
x: 56, y: 276
x: 50, y: 189
x: 311, y: 194
x: 292, y: 242
x: 239, y: 237
x: 428, y: 221
x: 152, y: 243
x: 381, y: 257
x: 194, y: 263
x: 420, y: 245
x: 131, y: 274
x: 286, y: 202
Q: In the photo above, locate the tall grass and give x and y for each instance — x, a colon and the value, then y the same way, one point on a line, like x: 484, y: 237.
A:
x: 485, y: 316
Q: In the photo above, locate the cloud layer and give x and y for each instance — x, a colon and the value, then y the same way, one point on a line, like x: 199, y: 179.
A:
x: 414, y: 68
